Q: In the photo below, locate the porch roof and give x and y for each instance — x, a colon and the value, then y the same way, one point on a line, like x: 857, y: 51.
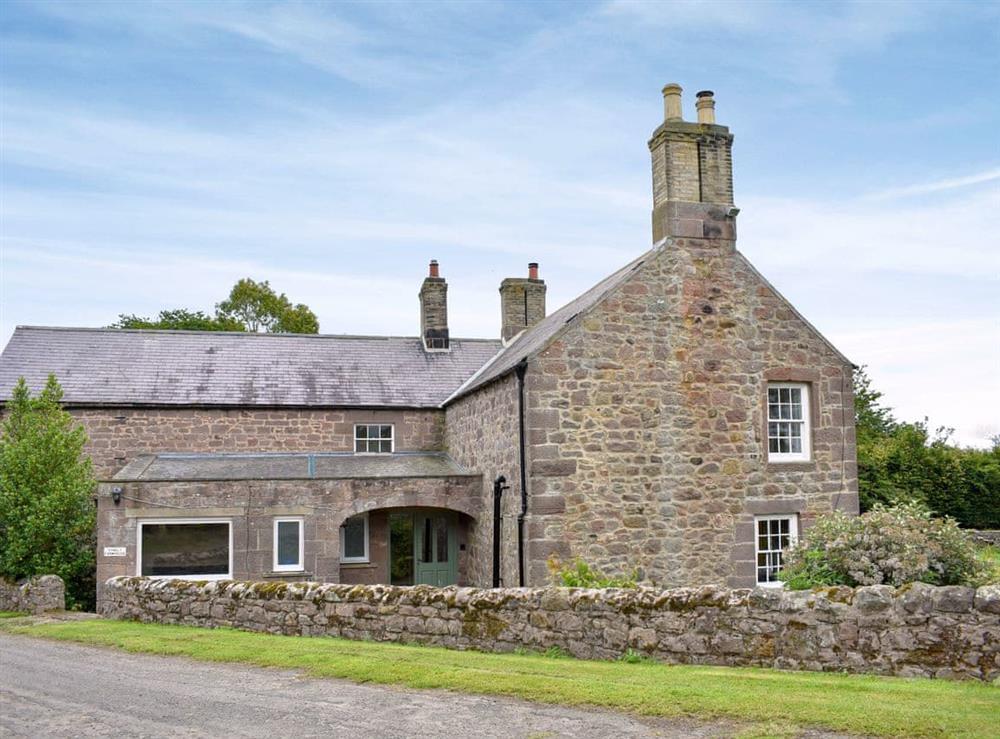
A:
x: 288, y: 466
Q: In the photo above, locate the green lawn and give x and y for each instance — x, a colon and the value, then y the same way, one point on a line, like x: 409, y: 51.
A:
x: 771, y: 701
x: 990, y: 555
x: 12, y: 614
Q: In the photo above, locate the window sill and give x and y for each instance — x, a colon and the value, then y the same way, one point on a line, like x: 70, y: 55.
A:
x: 357, y: 565
x: 792, y: 465
x: 285, y: 573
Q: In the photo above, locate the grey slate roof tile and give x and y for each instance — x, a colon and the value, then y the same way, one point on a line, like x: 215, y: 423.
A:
x: 140, y: 367
x: 180, y: 467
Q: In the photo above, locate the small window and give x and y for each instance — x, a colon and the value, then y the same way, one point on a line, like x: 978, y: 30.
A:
x: 373, y: 438
x: 193, y: 549
x: 774, y: 535
x: 288, y: 545
x: 787, y: 422
x: 354, y: 539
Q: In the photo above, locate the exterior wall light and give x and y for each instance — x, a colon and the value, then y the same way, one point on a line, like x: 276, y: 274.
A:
x: 116, y: 495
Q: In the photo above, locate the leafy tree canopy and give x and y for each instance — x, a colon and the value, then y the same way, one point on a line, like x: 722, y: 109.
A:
x: 46, y: 488
x: 900, y: 461
x: 179, y: 319
x: 251, y: 306
x: 257, y: 307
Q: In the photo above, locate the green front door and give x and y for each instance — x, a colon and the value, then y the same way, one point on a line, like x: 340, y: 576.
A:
x: 435, y: 540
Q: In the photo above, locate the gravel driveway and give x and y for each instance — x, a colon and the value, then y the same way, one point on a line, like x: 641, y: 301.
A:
x: 60, y: 689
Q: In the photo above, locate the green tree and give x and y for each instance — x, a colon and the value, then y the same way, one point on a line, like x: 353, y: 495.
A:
x: 900, y: 461
x: 257, y: 307
x: 178, y: 319
x: 46, y: 484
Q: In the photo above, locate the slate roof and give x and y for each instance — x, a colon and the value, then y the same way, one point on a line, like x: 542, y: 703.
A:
x: 533, y: 340
x: 143, y: 367
x: 279, y: 466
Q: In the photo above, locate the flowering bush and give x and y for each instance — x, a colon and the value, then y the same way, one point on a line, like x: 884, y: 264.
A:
x: 581, y: 575
x: 888, y: 545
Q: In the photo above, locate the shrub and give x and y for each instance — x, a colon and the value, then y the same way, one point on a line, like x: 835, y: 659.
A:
x: 46, y: 485
x: 888, y: 545
x: 581, y: 575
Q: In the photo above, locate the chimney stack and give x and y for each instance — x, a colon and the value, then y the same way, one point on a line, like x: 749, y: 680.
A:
x: 692, y: 172
x: 522, y: 303
x: 672, y: 110
x: 706, y: 106
x: 434, y: 310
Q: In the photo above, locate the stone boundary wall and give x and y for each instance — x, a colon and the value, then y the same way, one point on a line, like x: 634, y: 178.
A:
x: 37, y: 595
x: 920, y: 630
x: 986, y: 536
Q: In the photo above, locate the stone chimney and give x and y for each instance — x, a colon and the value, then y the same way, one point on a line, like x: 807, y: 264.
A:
x: 434, y: 310
x: 522, y: 303
x: 692, y: 172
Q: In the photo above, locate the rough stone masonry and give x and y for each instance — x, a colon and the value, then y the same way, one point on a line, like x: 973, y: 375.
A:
x: 36, y: 595
x: 920, y: 630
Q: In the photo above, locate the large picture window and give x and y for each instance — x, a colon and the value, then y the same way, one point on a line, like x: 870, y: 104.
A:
x: 787, y: 422
x: 197, y: 549
x: 774, y: 535
x: 373, y: 438
x: 354, y: 539
x: 288, y: 545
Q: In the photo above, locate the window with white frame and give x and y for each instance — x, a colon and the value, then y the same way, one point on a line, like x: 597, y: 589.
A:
x: 787, y: 422
x: 775, y: 534
x: 289, y: 545
x: 373, y: 438
x: 195, y: 549
x: 354, y: 539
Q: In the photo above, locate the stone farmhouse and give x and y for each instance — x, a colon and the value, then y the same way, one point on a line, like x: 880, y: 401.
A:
x: 680, y: 419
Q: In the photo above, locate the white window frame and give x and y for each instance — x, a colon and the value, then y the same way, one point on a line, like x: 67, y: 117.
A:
x: 392, y: 437
x: 343, y: 544
x: 180, y: 522
x: 793, y: 536
x: 299, y: 566
x: 806, y: 422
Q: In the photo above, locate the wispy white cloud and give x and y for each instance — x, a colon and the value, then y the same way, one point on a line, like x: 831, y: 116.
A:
x: 948, y: 183
x: 804, y: 43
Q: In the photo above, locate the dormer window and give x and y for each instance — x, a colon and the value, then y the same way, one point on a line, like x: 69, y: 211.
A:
x: 373, y: 438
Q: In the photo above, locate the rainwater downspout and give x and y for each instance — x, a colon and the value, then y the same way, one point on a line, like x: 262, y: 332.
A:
x: 520, y: 370
x: 499, y: 485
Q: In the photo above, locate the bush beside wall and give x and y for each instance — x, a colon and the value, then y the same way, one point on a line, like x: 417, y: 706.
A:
x: 917, y: 630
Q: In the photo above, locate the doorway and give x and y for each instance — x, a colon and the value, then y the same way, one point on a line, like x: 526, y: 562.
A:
x: 423, y: 548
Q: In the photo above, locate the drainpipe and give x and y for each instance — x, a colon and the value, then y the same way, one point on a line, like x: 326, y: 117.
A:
x: 520, y: 370
x: 499, y: 485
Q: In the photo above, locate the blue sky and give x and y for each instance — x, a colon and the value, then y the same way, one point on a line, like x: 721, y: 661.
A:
x: 154, y: 153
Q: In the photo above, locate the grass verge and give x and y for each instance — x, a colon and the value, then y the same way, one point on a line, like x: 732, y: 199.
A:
x: 989, y: 555
x: 849, y: 703
x: 11, y: 614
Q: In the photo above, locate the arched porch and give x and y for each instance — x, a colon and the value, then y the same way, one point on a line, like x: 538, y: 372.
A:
x: 406, y: 545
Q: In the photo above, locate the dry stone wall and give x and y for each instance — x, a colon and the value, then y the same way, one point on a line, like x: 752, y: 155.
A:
x: 946, y: 632
x: 37, y: 595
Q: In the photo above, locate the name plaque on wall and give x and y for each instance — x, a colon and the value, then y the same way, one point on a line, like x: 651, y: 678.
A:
x: 114, y: 551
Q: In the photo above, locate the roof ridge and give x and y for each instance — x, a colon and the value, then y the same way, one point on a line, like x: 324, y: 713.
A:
x: 188, y: 332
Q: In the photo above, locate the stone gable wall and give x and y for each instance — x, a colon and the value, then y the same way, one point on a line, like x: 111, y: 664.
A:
x: 481, y: 433
x: 647, y: 421
x: 946, y: 632
x: 35, y: 595
x: 118, y: 435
